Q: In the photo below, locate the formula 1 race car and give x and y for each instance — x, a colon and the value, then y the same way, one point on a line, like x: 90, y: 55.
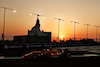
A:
x: 48, y: 53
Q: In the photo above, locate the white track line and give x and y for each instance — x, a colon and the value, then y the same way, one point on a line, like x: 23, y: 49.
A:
x: 13, y: 58
x: 1, y: 57
x: 85, y: 55
x: 89, y: 55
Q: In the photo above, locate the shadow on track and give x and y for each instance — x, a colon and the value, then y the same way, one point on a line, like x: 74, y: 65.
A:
x: 85, y: 61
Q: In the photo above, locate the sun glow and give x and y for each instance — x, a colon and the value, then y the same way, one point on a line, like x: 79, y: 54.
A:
x: 62, y: 37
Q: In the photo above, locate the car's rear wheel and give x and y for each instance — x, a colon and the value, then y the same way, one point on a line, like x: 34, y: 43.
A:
x: 34, y: 56
x: 68, y: 55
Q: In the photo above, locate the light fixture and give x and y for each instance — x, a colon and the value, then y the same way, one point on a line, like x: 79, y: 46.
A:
x: 43, y: 16
x: 14, y: 10
x: 37, y: 15
x: 63, y: 20
x: 54, y: 18
x: 31, y: 14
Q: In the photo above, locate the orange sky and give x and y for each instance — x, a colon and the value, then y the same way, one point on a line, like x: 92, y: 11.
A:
x: 82, y: 11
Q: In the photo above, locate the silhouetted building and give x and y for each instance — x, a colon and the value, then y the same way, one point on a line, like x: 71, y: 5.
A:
x: 34, y: 35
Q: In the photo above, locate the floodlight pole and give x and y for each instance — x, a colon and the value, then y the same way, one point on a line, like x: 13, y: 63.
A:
x: 4, y: 24
x: 74, y: 28
x: 4, y: 19
x: 96, y: 32
x: 58, y: 26
x: 99, y: 38
x: 87, y: 29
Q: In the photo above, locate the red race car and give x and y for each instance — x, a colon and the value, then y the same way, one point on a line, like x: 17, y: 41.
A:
x: 48, y: 53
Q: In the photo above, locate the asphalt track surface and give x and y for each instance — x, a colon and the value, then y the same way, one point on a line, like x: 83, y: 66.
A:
x: 58, y: 62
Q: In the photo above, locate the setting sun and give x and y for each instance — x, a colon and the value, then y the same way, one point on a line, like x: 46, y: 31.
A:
x: 61, y: 37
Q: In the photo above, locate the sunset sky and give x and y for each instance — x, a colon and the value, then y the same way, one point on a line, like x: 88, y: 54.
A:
x: 82, y: 11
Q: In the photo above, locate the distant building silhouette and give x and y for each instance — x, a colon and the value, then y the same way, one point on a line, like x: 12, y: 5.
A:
x: 34, y: 36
